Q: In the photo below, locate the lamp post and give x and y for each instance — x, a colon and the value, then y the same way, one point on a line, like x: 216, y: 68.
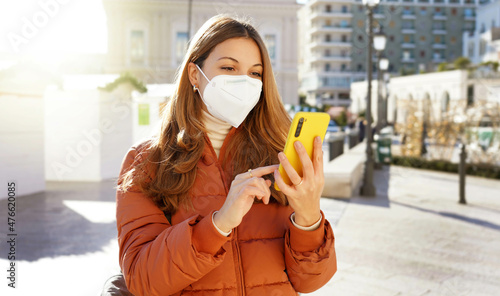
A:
x: 383, y: 65
x: 368, y: 189
x: 379, y: 42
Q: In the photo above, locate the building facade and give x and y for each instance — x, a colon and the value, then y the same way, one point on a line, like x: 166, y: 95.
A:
x: 483, y: 44
x: 421, y: 34
x: 325, y: 54
x: 148, y: 37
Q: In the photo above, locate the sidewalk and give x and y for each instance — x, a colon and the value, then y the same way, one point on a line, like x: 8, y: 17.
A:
x: 412, y: 239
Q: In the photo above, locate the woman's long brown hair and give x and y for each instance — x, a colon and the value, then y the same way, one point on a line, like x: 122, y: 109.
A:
x: 173, y: 153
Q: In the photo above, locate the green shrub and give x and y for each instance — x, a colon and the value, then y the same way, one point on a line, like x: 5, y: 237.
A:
x: 481, y: 170
x: 124, y: 78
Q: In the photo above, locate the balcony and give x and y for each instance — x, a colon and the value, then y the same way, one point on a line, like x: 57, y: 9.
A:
x: 408, y: 30
x: 408, y: 15
x: 330, y: 14
x: 438, y: 59
x: 441, y: 31
x: 330, y: 58
x: 439, y: 45
x: 408, y: 59
x: 331, y: 29
x: 439, y: 17
x: 470, y: 16
x: 337, y: 43
x: 408, y: 44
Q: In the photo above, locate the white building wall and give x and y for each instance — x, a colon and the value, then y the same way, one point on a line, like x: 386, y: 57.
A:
x: 418, y: 88
x: 21, y: 143
x: 88, y: 132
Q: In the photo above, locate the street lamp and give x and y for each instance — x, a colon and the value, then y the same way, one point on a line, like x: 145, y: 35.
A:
x: 383, y: 65
x: 368, y: 189
x: 379, y: 42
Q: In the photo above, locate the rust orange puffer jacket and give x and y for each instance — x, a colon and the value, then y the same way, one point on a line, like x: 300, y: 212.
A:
x: 264, y: 255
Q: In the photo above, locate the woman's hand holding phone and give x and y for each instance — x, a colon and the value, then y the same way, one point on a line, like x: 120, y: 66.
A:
x: 305, y: 193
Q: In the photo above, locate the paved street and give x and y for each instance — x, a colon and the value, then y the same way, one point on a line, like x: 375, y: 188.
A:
x: 412, y: 239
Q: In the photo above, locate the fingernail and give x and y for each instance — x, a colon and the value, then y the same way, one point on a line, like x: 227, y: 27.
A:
x: 297, y: 144
x: 318, y: 139
x: 281, y: 156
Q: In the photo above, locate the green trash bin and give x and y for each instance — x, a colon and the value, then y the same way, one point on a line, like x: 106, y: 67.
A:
x: 384, y: 154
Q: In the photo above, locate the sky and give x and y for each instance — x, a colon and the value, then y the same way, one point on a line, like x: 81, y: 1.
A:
x: 55, y: 26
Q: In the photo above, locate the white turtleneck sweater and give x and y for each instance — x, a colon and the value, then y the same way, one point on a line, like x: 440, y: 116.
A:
x: 217, y: 130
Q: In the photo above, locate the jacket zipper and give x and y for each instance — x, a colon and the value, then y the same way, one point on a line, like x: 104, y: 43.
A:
x: 240, y: 281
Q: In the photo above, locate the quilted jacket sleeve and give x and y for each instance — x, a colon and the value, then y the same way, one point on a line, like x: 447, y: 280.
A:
x: 155, y: 257
x: 310, y: 256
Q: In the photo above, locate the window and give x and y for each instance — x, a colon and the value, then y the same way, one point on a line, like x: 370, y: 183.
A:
x: 343, y: 53
x: 344, y: 9
x: 438, y: 39
x: 328, y: 8
x: 360, y: 68
x: 328, y: 23
x: 344, y: 24
x: 143, y: 114
x: 453, y: 11
x: 470, y: 49
x: 408, y: 38
x: 343, y: 67
x: 408, y: 25
x: 328, y: 38
x: 470, y: 95
x: 361, y: 24
x: 423, y: 11
x: 327, y: 67
x: 344, y: 38
x: 437, y: 55
x: 422, y: 38
x: 422, y: 53
x: 137, y: 44
x: 391, y: 38
x: 468, y: 12
x: 181, y: 45
x: 407, y: 11
x: 392, y: 24
x: 270, y: 41
x: 482, y: 47
x: 360, y: 38
x: 453, y: 40
x: 327, y: 52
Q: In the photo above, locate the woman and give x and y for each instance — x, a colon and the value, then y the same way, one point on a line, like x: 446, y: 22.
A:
x: 196, y: 212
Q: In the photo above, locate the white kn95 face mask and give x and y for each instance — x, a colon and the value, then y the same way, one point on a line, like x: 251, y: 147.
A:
x: 231, y: 97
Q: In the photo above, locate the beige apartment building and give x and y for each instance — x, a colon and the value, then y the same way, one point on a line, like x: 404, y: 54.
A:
x: 148, y: 37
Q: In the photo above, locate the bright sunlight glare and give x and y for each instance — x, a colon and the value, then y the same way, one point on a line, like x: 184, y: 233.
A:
x: 52, y: 28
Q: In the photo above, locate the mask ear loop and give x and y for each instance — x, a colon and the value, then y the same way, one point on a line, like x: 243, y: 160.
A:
x: 202, y: 73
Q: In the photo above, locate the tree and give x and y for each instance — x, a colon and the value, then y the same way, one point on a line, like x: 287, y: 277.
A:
x: 462, y: 63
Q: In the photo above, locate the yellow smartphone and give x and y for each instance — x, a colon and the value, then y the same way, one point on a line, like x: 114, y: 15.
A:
x: 305, y: 127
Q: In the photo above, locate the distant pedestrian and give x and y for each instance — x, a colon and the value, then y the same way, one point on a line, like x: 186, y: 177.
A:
x: 196, y: 212
x: 361, y: 127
